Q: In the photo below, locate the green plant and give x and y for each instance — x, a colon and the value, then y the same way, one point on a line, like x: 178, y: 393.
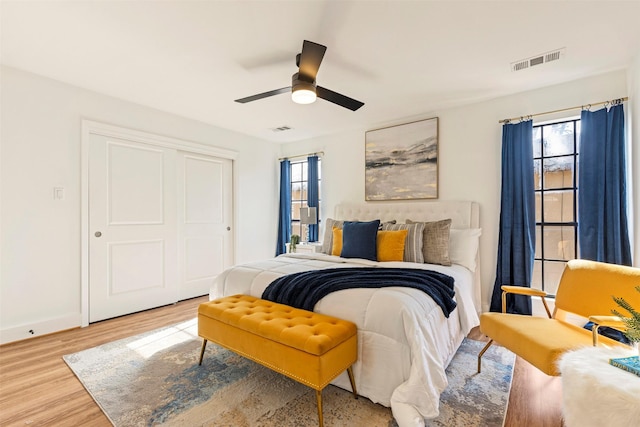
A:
x: 632, y: 322
x: 295, y: 239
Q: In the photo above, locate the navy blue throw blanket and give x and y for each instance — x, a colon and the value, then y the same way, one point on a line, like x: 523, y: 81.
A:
x: 304, y: 290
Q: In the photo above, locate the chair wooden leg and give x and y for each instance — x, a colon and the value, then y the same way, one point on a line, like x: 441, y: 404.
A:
x: 486, y: 347
x: 353, y: 381
x: 319, y: 401
x: 204, y: 345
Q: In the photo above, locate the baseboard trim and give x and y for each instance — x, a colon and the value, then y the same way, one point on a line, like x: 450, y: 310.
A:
x: 42, y: 327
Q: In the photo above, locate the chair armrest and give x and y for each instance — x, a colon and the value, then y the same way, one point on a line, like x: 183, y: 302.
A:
x: 521, y: 290
x: 608, y: 321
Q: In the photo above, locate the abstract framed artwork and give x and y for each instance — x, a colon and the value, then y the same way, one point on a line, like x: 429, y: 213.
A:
x: 401, y: 162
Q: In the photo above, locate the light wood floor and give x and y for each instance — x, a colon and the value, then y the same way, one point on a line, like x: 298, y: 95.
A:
x: 37, y: 388
x: 535, y: 399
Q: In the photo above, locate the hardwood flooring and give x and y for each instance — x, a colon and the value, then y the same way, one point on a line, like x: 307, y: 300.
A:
x: 535, y: 399
x: 37, y: 388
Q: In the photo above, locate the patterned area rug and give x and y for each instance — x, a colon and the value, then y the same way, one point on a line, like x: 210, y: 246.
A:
x: 154, y: 379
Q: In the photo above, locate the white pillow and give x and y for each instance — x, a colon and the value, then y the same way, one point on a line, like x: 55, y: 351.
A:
x: 463, y: 246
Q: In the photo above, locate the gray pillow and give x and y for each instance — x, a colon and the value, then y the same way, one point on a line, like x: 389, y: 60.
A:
x: 435, y: 241
x: 327, y: 240
x: 413, y: 244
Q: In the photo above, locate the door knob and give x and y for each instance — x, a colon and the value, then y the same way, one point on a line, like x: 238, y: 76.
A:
x: 98, y: 234
x: 228, y: 228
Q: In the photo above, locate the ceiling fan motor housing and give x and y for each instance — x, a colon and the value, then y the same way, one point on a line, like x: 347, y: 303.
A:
x: 299, y: 83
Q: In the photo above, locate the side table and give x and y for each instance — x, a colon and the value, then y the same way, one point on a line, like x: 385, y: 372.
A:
x: 595, y: 393
x: 308, y: 247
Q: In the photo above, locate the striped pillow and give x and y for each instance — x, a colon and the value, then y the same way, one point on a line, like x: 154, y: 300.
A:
x: 435, y: 241
x: 413, y: 244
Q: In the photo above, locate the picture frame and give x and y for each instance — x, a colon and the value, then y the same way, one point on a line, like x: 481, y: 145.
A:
x: 401, y: 161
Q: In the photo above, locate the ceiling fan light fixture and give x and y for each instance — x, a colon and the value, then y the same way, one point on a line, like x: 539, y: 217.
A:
x: 302, y: 92
x: 303, y: 96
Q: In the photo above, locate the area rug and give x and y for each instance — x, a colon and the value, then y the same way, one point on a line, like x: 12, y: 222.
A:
x: 154, y: 379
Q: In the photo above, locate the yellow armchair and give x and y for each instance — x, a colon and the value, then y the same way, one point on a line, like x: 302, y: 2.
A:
x: 586, y: 290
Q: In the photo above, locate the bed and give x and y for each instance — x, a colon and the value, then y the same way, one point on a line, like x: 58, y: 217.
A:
x: 405, y: 342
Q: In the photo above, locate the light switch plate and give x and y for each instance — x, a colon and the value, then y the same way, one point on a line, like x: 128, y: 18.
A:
x: 58, y: 193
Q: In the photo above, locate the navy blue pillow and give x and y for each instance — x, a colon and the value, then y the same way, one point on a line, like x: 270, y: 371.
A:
x: 359, y: 239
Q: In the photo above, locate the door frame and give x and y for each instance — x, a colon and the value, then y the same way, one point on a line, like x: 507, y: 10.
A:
x: 90, y: 127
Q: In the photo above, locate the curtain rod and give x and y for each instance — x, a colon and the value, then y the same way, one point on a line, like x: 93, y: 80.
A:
x: 317, y: 153
x: 613, y: 102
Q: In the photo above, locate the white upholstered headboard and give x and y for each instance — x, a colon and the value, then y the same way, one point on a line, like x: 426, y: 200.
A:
x: 463, y: 214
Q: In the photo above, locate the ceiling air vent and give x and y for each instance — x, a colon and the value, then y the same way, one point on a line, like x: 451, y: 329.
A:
x: 281, y: 129
x: 523, y: 64
x: 553, y: 56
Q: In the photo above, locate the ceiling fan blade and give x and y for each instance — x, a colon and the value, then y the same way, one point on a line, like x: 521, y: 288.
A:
x: 264, y: 95
x: 310, y: 59
x: 337, y: 98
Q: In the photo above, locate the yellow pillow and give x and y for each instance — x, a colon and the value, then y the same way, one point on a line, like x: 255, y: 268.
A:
x: 390, y: 245
x: 336, y: 249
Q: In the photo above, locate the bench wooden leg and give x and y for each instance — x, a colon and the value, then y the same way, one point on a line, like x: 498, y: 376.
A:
x: 353, y: 382
x: 319, y: 402
x: 204, y: 345
x: 486, y: 347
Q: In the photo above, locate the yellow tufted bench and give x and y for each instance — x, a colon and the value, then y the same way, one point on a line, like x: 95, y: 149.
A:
x: 308, y: 347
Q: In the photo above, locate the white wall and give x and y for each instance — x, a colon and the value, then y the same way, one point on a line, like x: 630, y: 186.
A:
x: 633, y: 122
x: 40, y: 140
x: 40, y: 237
x: 469, y: 153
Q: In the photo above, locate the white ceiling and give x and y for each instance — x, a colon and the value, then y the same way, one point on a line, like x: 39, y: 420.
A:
x: 401, y: 58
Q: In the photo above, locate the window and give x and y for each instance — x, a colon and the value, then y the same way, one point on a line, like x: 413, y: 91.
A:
x: 299, y: 181
x: 555, y: 163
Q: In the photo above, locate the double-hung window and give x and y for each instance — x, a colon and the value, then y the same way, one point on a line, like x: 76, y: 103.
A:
x: 555, y: 153
x: 299, y: 196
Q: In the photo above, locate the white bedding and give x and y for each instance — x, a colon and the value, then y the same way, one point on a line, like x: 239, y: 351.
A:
x: 404, y: 340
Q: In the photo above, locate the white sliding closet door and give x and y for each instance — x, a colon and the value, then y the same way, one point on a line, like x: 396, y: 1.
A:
x: 159, y: 220
x: 204, y: 221
x: 132, y: 227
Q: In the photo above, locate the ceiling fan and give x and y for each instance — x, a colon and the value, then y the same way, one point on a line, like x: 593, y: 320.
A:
x: 303, y: 83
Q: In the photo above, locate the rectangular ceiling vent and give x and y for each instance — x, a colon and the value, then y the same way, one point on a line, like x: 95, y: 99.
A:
x: 281, y: 129
x: 538, y: 60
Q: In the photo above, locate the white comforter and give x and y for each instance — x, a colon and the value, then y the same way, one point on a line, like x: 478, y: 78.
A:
x: 404, y: 340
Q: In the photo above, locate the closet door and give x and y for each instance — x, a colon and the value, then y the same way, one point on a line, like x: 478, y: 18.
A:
x: 205, y: 246
x: 133, y: 233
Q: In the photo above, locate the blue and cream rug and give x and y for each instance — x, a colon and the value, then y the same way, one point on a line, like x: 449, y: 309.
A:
x: 154, y: 379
